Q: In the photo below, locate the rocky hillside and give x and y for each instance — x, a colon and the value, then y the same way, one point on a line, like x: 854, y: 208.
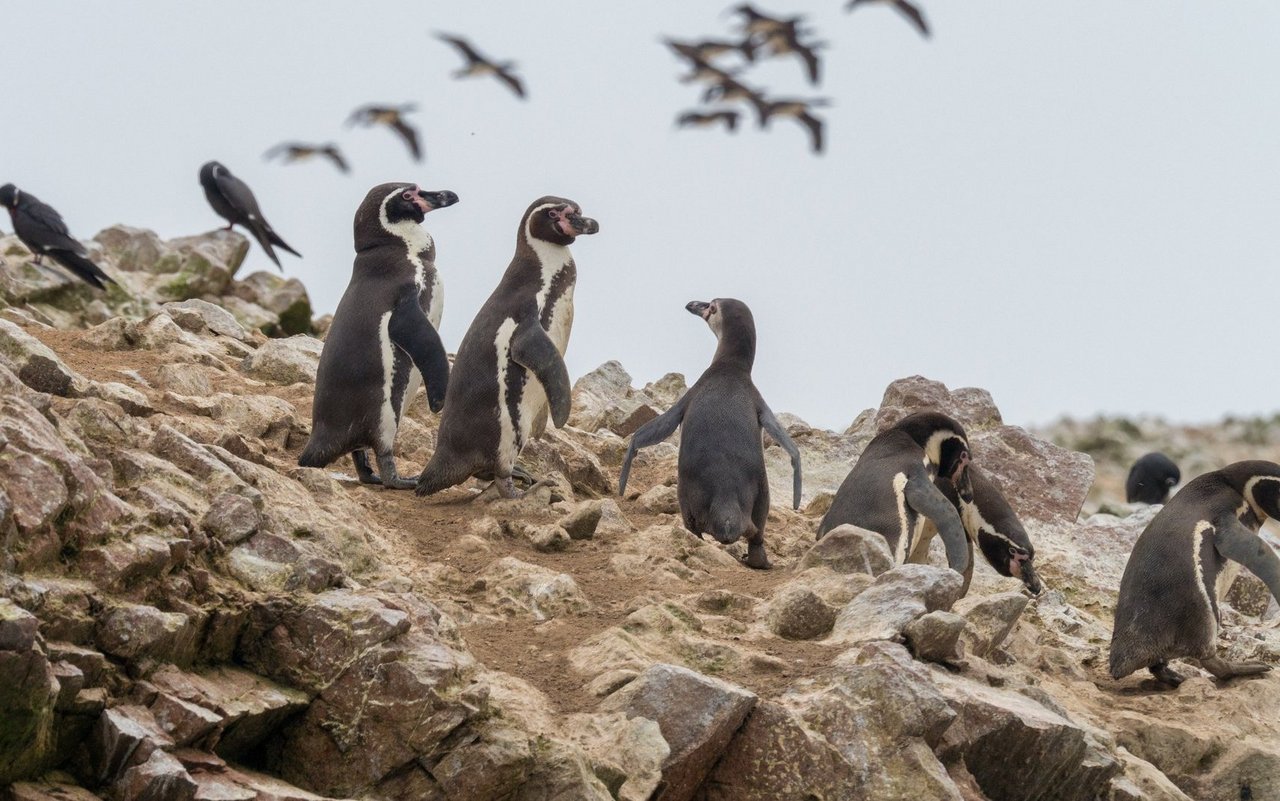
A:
x: 185, y: 614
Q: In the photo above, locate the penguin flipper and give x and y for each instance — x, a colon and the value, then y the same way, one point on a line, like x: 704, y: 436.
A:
x: 533, y: 350
x: 412, y: 332
x: 651, y: 433
x: 1235, y: 542
x: 779, y: 434
x: 926, y: 499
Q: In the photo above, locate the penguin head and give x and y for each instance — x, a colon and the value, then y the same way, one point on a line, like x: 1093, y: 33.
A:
x: 1259, y: 482
x: 9, y: 195
x: 387, y: 209
x: 556, y: 220
x: 732, y: 323
x: 945, y: 445
x: 1010, y: 559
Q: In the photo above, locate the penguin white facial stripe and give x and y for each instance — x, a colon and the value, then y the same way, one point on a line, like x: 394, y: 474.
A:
x: 900, y: 495
x: 551, y: 256
x: 508, y: 449
x: 1248, y: 495
x: 1197, y: 539
x: 387, y: 423
x: 933, y: 448
x: 415, y: 238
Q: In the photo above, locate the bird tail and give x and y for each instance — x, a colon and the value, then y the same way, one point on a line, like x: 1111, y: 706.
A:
x: 280, y: 243
x: 316, y: 454
x: 263, y: 235
x: 85, y: 269
x: 728, y: 522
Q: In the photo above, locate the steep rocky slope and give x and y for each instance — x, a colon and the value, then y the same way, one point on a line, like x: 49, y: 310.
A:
x: 184, y: 613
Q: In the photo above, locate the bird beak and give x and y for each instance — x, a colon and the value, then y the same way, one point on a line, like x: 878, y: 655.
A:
x: 436, y: 200
x: 581, y: 225
x: 698, y: 307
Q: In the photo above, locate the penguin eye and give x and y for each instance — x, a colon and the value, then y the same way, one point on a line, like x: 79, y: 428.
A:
x: 407, y: 196
x: 553, y: 213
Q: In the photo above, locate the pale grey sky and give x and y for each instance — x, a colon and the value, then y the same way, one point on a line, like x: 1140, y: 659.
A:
x: 1070, y: 204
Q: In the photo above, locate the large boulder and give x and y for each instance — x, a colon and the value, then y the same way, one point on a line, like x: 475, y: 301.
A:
x: 28, y: 692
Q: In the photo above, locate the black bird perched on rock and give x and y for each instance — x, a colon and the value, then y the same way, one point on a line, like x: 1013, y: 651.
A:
x: 393, y: 118
x: 1151, y: 478
x: 911, y: 12
x: 234, y: 202
x: 700, y: 119
x: 297, y: 151
x: 798, y: 110
x: 42, y: 230
x: 479, y: 65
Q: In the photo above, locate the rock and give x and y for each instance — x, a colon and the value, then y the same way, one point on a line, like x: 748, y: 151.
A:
x: 33, y: 363
x: 286, y: 298
x: 549, y: 539
x: 990, y: 619
x: 159, y: 778
x: 491, y: 767
x: 28, y: 695
x: 797, y: 613
x: 849, y: 549
x: 660, y: 500
x: 627, y: 753
x: 48, y: 791
x: 935, y: 637
x: 136, y: 631
x: 697, y: 715
x: 1040, y: 480
x: 125, y: 562
x: 18, y: 627
x: 286, y: 361
x: 126, y: 397
x: 1016, y: 748
x: 197, y: 315
x: 185, y: 379
x: 581, y: 523
x: 515, y: 587
x: 898, y: 597
x: 231, y: 518
x: 1248, y: 595
x: 972, y: 407
x: 122, y: 736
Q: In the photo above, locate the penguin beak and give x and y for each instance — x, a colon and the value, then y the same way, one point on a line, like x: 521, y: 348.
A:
x: 698, y: 307
x: 582, y: 225
x: 1021, y: 567
x: 436, y: 200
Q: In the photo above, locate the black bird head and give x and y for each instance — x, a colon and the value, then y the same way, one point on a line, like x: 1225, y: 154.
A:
x: 9, y: 195
x: 210, y: 170
x: 556, y: 220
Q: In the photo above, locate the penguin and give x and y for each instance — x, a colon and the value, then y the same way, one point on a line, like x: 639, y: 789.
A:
x: 479, y: 65
x: 510, y: 364
x: 1169, y: 594
x: 42, y: 230
x: 992, y: 524
x: 299, y: 151
x: 721, y: 481
x: 1151, y: 478
x: 891, y: 489
x: 234, y: 202
x: 384, y: 337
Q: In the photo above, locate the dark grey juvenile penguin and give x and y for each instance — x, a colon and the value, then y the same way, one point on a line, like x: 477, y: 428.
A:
x: 1151, y: 478
x: 1191, y: 549
x: 511, y: 361
x: 722, y: 484
x: 891, y: 489
x: 42, y: 230
x: 383, y: 340
x: 994, y: 526
x: 234, y: 202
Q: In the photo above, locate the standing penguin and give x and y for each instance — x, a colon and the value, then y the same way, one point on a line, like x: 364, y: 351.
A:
x: 383, y: 339
x: 994, y: 526
x: 1168, y: 605
x: 1151, y: 478
x: 891, y: 489
x: 511, y: 361
x: 234, y: 202
x: 722, y: 485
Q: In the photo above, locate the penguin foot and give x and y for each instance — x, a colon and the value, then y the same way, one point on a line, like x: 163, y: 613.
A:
x: 1223, y: 670
x: 507, y: 488
x: 388, y: 475
x: 756, y: 558
x: 363, y: 471
x: 1165, y: 675
x: 523, y: 476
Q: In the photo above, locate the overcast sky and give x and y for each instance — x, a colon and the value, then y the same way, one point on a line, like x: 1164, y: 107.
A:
x: 1072, y: 205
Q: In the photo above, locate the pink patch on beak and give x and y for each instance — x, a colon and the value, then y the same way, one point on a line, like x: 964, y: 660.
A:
x: 1015, y: 564
x: 961, y: 464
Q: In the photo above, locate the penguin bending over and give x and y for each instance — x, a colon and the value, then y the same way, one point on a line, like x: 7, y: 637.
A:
x: 511, y: 361
x: 383, y: 340
x: 1150, y: 479
x: 722, y: 484
x: 891, y: 489
x: 1168, y: 604
x: 992, y: 524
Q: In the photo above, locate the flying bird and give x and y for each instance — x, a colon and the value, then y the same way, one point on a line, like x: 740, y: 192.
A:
x: 911, y: 12
x: 479, y: 65
x: 757, y: 23
x: 42, y: 230
x: 786, y: 41
x: 234, y: 202
x: 297, y: 151
x: 701, y: 71
x: 707, y: 119
x: 730, y: 89
x: 798, y: 110
x: 710, y: 48
x: 393, y: 118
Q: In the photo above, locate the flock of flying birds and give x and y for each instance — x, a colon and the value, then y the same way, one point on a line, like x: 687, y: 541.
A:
x: 763, y: 36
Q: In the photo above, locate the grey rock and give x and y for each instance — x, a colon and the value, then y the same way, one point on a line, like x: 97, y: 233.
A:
x: 33, y: 363
x: 935, y: 637
x: 849, y: 549
x: 797, y: 613
x: 197, y: 315
x: 990, y: 619
x: 231, y: 518
x: 581, y: 522
x: 898, y: 597
x: 286, y: 361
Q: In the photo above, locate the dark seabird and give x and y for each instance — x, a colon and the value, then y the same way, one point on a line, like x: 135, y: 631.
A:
x: 393, y: 118
x: 479, y: 65
x: 42, y: 230
x: 297, y: 151
x: 798, y: 110
x: 786, y: 41
x: 234, y: 202
x: 911, y: 12
x: 700, y: 119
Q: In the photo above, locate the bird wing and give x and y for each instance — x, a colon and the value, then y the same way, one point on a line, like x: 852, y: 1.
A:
x: 810, y: 61
x: 464, y: 48
x: 815, y: 129
x: 43, y: 227
x: 730, y: 119
x: 410, y: 137
x: 914, y: 14
x: 509, y: 78
x: 335, y: 155
x: 283, y: 147
x: 361, y: 115
x: 238, y: 195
